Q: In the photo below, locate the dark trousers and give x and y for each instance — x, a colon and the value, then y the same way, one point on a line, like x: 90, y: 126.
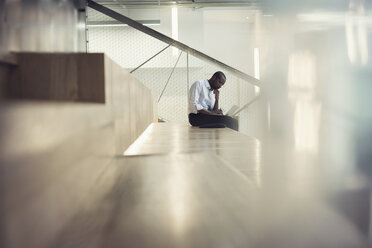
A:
x: 203, y: 119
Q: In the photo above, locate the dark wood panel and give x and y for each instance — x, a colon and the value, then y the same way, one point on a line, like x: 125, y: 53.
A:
x: 8, y: 62
x: 91, y: 73
x: 4, y: 79
x: 61, y: 77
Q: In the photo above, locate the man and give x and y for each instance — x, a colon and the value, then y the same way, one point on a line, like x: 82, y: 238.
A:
x: 203, y: 103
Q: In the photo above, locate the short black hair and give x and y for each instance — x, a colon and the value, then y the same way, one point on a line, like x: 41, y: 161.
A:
x: 220, y: 75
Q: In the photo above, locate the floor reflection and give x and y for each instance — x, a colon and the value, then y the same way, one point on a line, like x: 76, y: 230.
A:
x: 179, y: 204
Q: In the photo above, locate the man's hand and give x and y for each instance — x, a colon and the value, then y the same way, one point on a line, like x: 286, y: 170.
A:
x: 216, y: 110
x: 219, y: 112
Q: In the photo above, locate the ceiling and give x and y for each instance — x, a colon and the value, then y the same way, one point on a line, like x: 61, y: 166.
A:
x: 265, y: 5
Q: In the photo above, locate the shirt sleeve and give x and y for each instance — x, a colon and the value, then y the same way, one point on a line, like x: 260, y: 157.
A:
x: 194, y: 98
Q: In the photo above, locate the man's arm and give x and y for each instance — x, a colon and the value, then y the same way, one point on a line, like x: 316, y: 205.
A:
x: 194, y: 101
x: 217, y: 95
x: 215, y: 107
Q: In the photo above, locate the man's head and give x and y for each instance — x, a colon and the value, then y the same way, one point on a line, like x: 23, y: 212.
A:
x: 217, y: 80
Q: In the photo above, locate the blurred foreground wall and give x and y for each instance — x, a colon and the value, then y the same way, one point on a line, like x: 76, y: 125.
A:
x: 40, y: 25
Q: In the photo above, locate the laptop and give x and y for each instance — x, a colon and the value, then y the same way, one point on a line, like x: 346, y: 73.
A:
x: 232, y: 110
x: 235, y: 110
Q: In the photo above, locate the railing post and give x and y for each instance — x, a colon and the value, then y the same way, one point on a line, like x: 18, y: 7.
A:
x: 188, y: 77
x: 165, y: 86
x: 150, y: 58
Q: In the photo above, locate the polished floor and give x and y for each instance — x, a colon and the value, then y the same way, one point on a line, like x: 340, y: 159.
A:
x: 180, y: 186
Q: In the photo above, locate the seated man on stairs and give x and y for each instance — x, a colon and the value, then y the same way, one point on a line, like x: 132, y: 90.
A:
x: 203, y: 104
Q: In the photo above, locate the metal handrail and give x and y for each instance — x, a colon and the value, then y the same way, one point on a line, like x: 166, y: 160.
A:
x: 132, y: 23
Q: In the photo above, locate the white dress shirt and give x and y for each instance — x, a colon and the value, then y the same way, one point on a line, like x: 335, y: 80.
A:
x: 201, y: 96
